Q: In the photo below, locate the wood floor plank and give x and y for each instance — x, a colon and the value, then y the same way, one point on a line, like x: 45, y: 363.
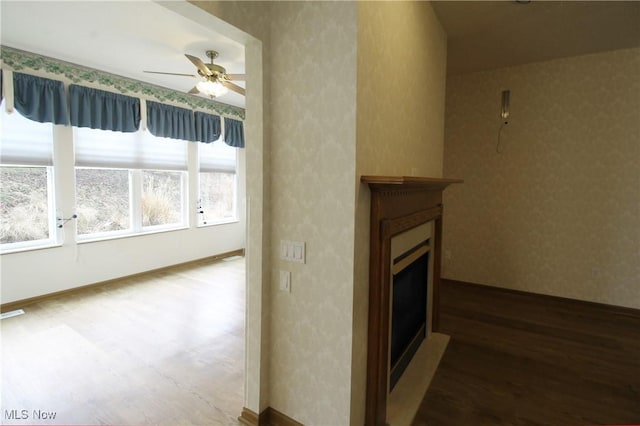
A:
x: 518, y: 359
x: 165, y: 348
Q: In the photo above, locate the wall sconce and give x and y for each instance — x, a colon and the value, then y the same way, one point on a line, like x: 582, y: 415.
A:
x: 504, y: 114
x: 505, y: 105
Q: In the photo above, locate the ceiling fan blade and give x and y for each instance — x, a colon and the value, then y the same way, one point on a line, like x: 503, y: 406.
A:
x: 237, y: 77
x: 194, y: 91
x: 199, y: 64
x: 233, y: 87
x: 170, y: 73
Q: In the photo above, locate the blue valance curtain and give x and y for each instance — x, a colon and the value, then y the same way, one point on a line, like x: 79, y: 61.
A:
x: 179, y: 123
x: 168, y: 121
x: 40, y: 99
x: 233, y: 132
x: 207, y: 127
x: 98, y: 109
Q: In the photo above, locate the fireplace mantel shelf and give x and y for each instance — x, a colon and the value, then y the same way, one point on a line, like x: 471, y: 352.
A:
x: 390, y: 182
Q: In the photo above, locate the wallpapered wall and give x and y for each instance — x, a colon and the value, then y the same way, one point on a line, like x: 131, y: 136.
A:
x: 401, y: 49
x: 558, y: 211
x: 400, y: 128
x: 309, y: 64
x: 313, y: 104
x: 312, y: 54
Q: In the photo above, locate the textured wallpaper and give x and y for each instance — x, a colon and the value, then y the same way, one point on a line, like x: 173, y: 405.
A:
x: 401, y: 50
x: 313, y: 105
x: 400, y: 116
x: 308, y: 167
x: 322, y: 62
x: 558, y: 211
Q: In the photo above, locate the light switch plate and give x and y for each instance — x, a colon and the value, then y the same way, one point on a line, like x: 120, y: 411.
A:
x: 299, y: 254
x: 293, y: 251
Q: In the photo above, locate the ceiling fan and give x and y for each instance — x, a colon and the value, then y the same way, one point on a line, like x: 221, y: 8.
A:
x: 216, y: 80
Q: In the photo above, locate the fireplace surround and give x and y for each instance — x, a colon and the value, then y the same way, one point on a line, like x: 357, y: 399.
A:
x: 398, y: 204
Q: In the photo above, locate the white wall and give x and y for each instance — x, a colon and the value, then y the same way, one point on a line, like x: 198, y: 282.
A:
x: 38, y: 272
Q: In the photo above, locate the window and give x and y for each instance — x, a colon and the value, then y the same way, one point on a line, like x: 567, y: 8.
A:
x: 102, y: 201
x: 162, y: 198
x: 217, y: 183
x: 26, y: 182
x: 25, y: 205
x: 128, y: 183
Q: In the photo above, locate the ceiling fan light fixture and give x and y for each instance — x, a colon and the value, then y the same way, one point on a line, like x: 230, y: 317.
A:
x: 212, y: 88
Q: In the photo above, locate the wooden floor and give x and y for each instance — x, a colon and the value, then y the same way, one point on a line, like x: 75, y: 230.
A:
x: 517, y: 359
x: 166, y: 348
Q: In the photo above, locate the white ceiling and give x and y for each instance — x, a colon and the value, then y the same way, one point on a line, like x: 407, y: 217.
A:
x: 493, y: 34
x: 120, y: 37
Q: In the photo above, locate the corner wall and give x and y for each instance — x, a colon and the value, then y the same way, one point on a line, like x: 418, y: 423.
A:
x: 402, y: 51
x: 313, y: 104
x: 558, y: 211
x: 315, y: 150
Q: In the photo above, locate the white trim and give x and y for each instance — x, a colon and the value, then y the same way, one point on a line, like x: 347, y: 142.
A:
x: 7, y: 88
x: 143, y: 114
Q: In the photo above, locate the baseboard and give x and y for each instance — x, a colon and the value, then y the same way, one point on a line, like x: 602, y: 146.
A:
x: 10, y: 306
x: 249, y: 418
x: 611, y: 309
x: 268, y: 417
x: 276, y: 418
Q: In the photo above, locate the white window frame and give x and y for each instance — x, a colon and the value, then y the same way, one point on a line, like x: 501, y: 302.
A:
x: 62, y: 198
x: 38, y: 159
x: 135, y: 165
x: 217, y: 221
x: 97, y: 236
x: 184, y: 207
x: 135, y: 208
x: 53, y: 239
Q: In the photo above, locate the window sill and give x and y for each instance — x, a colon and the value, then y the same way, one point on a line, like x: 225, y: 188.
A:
x: 50, y: 245
x: 44, y: 246
x: 218, y: 222
x: 132, y: 235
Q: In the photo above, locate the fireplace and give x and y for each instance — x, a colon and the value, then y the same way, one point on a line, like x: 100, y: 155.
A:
x: 406, y: 228
x: 409, y: 297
